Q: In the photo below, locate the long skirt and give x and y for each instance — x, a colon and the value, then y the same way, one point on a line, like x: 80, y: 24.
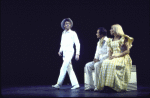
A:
x: 115, y: 73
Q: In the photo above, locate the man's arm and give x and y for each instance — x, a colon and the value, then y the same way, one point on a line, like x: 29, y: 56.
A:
x: 61, y: 48
x: 60, y: 51
x: 77, y: 43
x: 96, y: 57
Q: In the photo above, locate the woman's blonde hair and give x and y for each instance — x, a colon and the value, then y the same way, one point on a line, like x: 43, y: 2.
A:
x: 119, y: 31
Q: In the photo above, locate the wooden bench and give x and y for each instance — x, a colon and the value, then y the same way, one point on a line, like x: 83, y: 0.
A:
x: 132, y: 83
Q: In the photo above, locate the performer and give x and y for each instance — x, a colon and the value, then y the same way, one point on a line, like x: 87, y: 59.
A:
x: 115, y: 71
x: 100, y: 55
x: 68, y: 39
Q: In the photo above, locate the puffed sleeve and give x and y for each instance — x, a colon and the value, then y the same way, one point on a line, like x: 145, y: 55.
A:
x: 130, y: 40
x: 109, y: 43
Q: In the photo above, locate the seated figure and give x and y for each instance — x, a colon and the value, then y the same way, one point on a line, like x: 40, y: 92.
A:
x: 115, y: 71
x: 100, y: 55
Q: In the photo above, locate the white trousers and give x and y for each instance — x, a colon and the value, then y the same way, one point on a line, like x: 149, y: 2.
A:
x: 89, y: 67
x: 67, y: 67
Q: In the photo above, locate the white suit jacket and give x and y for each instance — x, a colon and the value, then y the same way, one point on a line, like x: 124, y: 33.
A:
x: 102, y: 52
x: 68, y: 39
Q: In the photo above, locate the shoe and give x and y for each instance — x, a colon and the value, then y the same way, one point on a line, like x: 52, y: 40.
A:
x: 56, y: 86
x: 95, y: 90
x: 88, y: 89
x: 75, y: 87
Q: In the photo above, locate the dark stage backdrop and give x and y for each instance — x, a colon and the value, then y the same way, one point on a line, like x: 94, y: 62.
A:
x: 31, y: 32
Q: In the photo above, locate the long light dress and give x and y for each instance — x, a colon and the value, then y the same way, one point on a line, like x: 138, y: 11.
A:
x: 115, y: 73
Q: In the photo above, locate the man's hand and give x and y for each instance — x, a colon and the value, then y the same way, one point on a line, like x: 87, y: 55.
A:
x: 77, y: 57
x: 95, y: 60
x: 59, y: 53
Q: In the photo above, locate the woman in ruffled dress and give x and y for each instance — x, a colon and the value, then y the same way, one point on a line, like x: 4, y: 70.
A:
x: 116, y: 70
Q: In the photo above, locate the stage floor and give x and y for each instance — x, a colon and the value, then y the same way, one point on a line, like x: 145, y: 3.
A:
x: 65, y: 91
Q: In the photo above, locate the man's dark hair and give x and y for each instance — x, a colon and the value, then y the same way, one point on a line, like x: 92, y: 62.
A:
x: 103, y: 31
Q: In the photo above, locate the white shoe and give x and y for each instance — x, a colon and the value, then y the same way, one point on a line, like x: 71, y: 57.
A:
x: 75, y: 87
x: 88, y: 89
x: 96, y: 89
x: 56, y: 86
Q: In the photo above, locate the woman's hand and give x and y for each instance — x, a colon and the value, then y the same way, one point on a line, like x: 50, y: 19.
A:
x: 112, y: 57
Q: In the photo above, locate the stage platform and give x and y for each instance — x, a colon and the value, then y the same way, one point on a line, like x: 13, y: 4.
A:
x: 65, y: 91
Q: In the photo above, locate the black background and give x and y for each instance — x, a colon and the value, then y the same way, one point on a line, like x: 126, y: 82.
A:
x: 31, y: 32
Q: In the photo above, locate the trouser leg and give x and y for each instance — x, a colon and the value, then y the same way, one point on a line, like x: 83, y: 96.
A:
x: 72, y: 75
x: 96, y: 70
x: 89, y: 78
x: 63, y: 70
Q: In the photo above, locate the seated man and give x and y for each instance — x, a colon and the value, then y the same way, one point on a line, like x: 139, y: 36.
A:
x: 100, y: 55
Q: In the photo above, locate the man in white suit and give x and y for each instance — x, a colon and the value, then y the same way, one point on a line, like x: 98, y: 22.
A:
x: 68, y: 39
x: 101, y: 54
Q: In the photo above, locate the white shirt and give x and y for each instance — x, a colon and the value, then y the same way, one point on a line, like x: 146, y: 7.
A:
x: 102, y: 52
x: 68, y: 39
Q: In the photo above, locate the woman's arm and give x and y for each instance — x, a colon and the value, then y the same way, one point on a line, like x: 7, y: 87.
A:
x: 110, y: 54
x: 127, y: 51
